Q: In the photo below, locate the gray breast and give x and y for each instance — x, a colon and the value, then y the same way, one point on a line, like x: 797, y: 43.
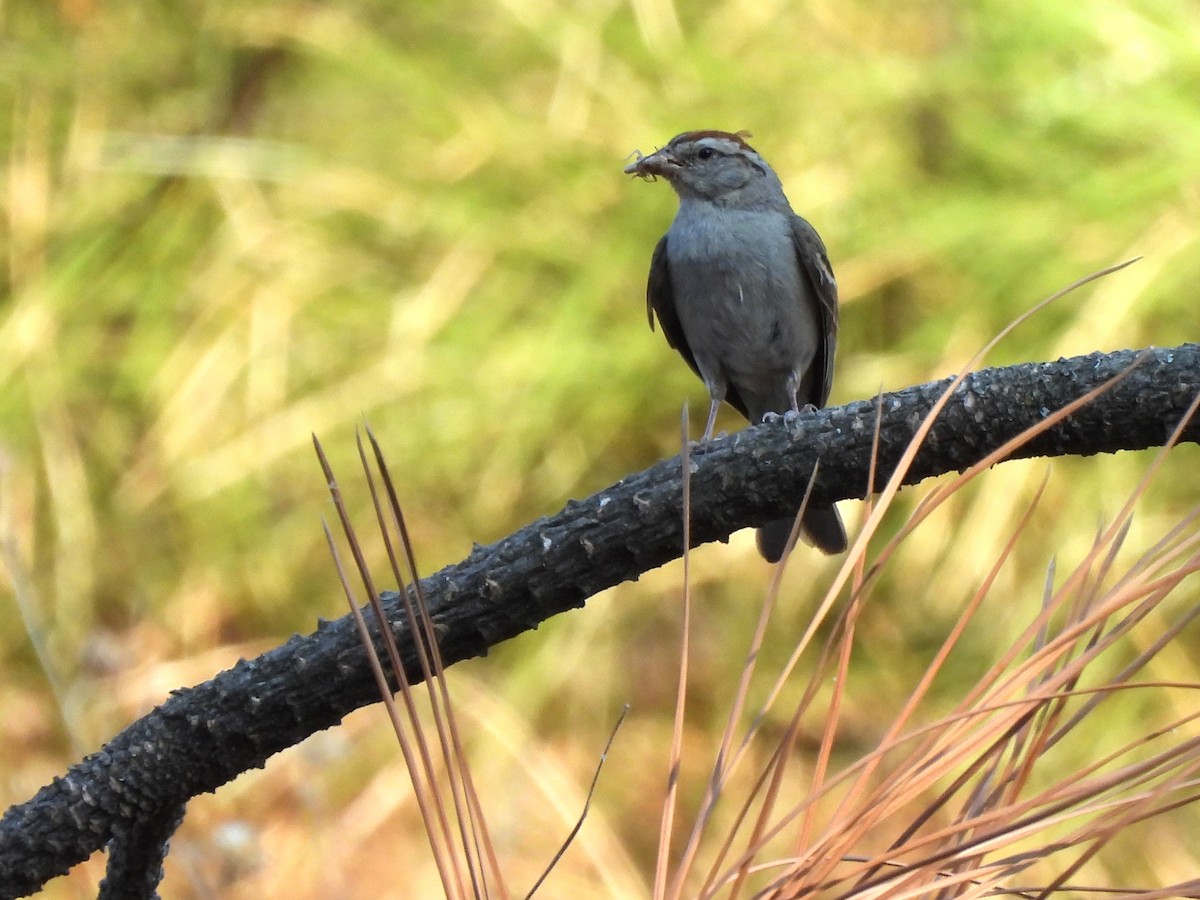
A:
x: 743, y: 302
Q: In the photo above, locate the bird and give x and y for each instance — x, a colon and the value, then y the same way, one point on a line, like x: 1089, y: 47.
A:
x: 743, y: 290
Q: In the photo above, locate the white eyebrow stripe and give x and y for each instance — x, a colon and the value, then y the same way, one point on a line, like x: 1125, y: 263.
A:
x: 723, y: 144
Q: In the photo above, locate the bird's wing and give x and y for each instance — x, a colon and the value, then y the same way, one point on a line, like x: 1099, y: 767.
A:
x: 814, y: 264
x: 660, y: 304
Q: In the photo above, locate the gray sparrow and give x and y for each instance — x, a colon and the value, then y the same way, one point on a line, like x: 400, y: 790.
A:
x: 743, y: 290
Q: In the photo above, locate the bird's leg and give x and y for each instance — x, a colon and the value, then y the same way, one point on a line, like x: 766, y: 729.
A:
x: 716, y: 392
x: 793, y: 388
x: 713, y: 406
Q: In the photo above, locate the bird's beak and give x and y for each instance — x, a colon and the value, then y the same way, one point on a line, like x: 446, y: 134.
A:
x: 661, y: 162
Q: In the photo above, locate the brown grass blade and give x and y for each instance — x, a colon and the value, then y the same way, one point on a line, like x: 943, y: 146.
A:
x: 661, y: 887
x: 587, y: 803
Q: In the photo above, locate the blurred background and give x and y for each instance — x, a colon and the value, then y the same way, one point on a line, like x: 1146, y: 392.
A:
x: 227, y: 227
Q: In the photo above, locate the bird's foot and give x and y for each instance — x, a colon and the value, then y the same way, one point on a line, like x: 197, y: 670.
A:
x: 709, y: 438
x: 792, y: 415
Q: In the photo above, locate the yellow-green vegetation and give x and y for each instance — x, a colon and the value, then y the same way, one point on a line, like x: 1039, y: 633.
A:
x: 227, y: 226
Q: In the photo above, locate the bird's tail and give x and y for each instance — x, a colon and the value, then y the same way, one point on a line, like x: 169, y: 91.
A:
x: 822, y: 527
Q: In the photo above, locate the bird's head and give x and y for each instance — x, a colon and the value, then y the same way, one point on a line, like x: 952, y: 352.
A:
x: 714, y: 166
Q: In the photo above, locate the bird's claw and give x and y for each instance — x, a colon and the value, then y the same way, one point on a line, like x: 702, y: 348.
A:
x: 793, y: 415
x: 790, y: 417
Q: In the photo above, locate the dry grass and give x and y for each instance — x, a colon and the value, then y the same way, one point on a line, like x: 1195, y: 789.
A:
x: 1019, y: 788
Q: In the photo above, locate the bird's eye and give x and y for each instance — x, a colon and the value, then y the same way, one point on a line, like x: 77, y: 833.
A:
x: 706, y: 153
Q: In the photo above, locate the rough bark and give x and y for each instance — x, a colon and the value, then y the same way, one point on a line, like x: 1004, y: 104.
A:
x: 204, y: 736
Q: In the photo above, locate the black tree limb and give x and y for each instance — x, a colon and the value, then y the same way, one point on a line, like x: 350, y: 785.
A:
x: 204, y: 736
